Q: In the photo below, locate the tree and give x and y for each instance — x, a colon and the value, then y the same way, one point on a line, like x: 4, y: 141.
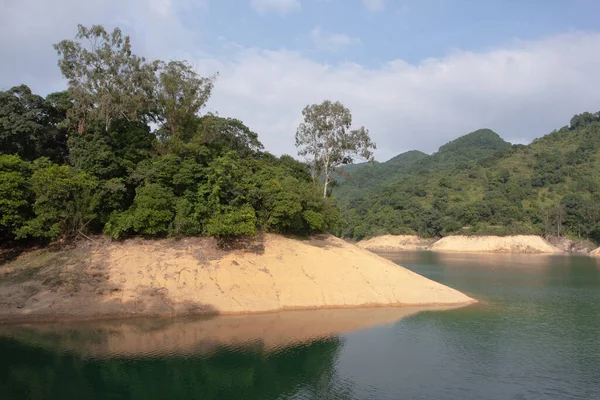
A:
x: 65, y: 200
x: 181, y: 93
x: 327, y: 142
x: 15, y: 194
x: 23, y: 122
x: 106, y: 80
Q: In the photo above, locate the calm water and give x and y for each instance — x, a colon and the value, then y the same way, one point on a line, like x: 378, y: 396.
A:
x: 536, y: 335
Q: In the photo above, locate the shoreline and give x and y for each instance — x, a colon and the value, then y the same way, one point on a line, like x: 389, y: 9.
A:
x: 35, y: 319
x: 485, y: 244
x: 200, y: 335
x: 195, y: 277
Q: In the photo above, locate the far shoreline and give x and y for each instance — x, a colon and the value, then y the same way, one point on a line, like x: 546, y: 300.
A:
x: 484, y: 244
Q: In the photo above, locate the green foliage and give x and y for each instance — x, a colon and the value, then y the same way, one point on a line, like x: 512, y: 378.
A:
x: 194, y: 175
x: 15, y: 194
x: 93, y: 154
x: 64, y: 204
x: 326, y: 141
x: 181, y: 93
x: 29, y: 125
x: 230, y: 221
x: 479, y: 184
x: 151, y: 213
x: 103, y: 72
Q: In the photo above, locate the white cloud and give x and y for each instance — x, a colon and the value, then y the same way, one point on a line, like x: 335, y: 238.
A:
x: 331, y: 41
x: 374, y: 5
x: 279, y: 6
x: 522, y: 91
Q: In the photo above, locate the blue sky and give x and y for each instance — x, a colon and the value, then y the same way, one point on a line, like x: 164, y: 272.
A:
x: 415, y: 73
x: 412, y: 30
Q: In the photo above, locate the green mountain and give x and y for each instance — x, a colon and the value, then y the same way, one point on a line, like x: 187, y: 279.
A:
x: 366, y: 175
x: 481, y: 184
x: 461, y: 153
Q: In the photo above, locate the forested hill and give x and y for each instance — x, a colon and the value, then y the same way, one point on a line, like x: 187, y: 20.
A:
x: 462, y: 152
x: 364, y: 175
x: 480, y: 184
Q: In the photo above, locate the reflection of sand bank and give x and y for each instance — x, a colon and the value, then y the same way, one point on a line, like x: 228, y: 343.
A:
x: 469, y: 260
x: 192, y: 336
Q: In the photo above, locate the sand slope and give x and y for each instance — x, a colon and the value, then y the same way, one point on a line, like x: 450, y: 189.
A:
x: 495, y: 244
x: 595, y: 253
x: 395, y: 242
x: 190, y: 277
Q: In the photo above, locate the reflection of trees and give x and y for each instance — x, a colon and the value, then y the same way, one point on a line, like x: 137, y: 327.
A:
x: 228, y: 373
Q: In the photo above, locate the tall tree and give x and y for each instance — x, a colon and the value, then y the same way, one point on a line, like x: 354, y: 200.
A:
x: 106, y: 80
x: 181, y: 93
x: 23, y: 120
x: 29, y: 125
x: 327, y: 142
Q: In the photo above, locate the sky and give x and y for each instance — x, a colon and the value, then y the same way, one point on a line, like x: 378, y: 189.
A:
x: 415, y: 73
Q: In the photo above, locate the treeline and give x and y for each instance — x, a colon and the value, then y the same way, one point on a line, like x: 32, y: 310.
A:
x: 124, y: 151
x: 480, y: 184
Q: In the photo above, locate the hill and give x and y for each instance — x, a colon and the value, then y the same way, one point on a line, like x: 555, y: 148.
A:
x: 366, y: 175
x: 480, y: 184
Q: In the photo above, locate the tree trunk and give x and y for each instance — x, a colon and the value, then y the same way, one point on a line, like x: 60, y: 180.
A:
x: 326, y: 177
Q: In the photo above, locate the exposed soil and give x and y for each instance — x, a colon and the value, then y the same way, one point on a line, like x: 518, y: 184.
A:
x: 203, y: 276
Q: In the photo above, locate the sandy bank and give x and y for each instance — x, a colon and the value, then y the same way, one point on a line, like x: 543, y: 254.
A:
x: 396, y: 243
x: 495, y: 244
x: 595, y: 253
x: 192, y: 276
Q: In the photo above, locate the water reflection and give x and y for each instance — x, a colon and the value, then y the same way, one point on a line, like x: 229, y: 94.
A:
x: 533, y: 336
x: 224, y: 374
x: 197, y: 336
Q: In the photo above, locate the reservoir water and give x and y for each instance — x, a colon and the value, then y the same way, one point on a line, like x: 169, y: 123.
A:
x: 534, y: 335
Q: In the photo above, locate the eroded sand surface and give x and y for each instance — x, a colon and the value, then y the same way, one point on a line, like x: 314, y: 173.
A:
x: 396, y: 243
x: 495, y: 244
x: 595, y: 253
x: 147, y: 278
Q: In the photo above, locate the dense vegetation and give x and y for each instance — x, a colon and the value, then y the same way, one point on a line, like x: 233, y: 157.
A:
x: 125, y: 151
x: 480, y: 184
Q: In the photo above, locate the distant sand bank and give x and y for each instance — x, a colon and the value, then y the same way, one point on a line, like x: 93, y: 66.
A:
x: 528, y: 244
x: 396, y: 242
x: 495, y: 244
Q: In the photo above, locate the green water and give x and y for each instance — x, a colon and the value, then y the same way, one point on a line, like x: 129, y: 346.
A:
x: 535, y: 335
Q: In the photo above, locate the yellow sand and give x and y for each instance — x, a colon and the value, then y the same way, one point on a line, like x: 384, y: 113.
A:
x: 495, y: 244
x: 595, y: 253
x: 395, y: 242
x: 152, y: 278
